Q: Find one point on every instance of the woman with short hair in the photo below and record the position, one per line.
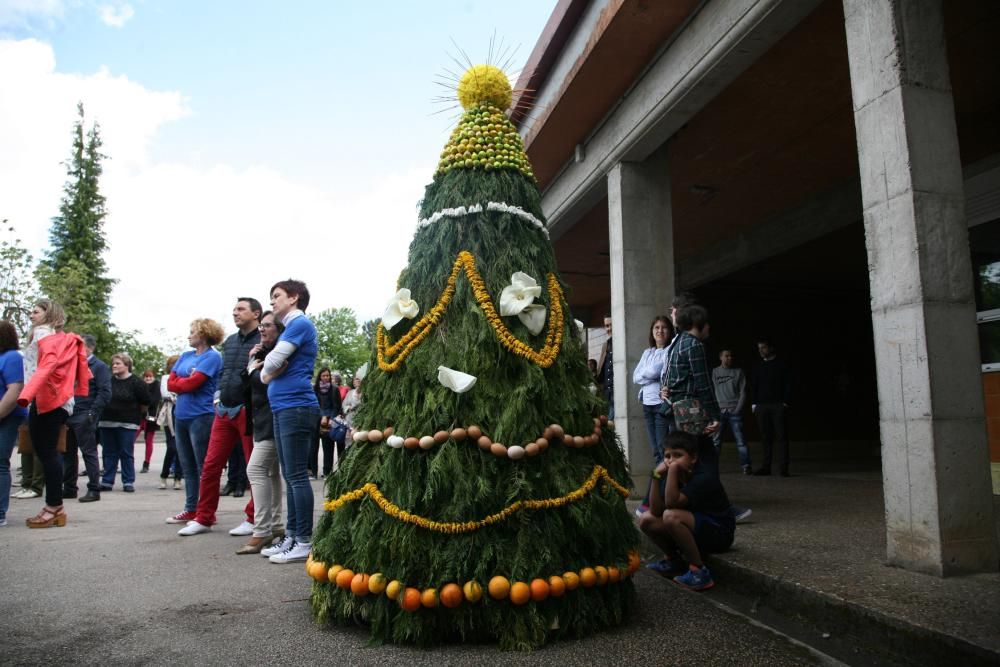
(288, 373)
(120, 422)
(194, 379)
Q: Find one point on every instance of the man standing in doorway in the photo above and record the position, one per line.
(229, 425)
(606, 371)
(81, 433)
(772, 389)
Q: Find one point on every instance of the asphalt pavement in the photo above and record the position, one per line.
(118, 586)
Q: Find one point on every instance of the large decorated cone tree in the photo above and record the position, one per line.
(483, 498)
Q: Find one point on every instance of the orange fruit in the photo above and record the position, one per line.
(332, 574)
(359, 585)
(572, 580)
(473, 591)
(520, 592)
(588, 577)
(451, 595)
(410, 600)
(602, 575)
(634, 561)
(317, 570)
(429, 598)
(557, 586)
(344, 578)
(539, 589)
(499, 587)
(614, 574)
(377, 583)
(393, 590)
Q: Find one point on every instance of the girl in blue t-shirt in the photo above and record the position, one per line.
(287, 373)
(193, 379)
(11, 414)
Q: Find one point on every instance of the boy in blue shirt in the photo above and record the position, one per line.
(689, 512)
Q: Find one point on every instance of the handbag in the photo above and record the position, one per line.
(690, 416)
(24, 445)
(338, 429)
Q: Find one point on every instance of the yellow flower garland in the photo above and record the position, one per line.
(544, 357)
(453, 528)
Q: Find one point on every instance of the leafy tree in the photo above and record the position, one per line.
(74, 271)
(144, 355)
(369, 329)
(17, 285)
(342, 346)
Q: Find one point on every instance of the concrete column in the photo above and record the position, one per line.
(935, 462)
(641, 240)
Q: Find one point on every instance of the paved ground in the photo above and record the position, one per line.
(118, 586)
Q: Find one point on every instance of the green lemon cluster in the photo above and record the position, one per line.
(485, 139)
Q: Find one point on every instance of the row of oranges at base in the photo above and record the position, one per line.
(452, 595)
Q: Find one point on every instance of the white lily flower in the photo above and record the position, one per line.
(457, 381)
(517, 296)
(400, 306)
(533, 317)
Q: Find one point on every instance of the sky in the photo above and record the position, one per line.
(248, 141)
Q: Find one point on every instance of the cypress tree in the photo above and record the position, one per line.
(74, 271)
(496, 513)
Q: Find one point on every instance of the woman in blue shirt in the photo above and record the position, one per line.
(287, 373)
(193, 379)
(11, 415)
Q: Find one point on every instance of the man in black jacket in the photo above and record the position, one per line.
(772, 394)
(82, 429)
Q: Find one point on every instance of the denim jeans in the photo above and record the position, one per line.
(657, 427)
(8, 441)
(118, 444)
(294, 432)
(735, 423)
(192, 445)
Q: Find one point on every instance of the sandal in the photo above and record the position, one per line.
(47, 518)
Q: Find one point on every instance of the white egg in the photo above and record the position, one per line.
(515, 452)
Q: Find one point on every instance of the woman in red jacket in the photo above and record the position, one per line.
(55, 368)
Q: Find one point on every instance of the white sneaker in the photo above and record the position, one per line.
(242, 530)
(25, 494)
(3, 522)
(284, 543)
(299, 551)
(194, 528)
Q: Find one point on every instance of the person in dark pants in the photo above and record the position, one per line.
(606, 370)
(328, 396)
(82, 432)
(772, 389)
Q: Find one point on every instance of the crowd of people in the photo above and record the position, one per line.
(687, 406)
(257, 397)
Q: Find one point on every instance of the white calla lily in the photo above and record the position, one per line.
(533, 317)
(399, 306)
(457, 381)
(517, 296)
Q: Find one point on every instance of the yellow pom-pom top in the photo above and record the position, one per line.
(484, 83)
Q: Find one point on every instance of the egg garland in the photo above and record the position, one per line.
(452, 594)
(552, 433)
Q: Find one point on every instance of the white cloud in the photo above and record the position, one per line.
(116, 17)
(22, 13)
(187, 238)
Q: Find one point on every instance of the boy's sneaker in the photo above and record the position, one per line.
(183, 517)
(740, 514)
(284, 543)
(299, 551)
(696, 580)
(3, 522)
(667, 567)
(747, 470)
(641, 509)
(194, 528)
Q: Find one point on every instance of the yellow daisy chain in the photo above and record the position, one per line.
(544, 357)
(371, 490)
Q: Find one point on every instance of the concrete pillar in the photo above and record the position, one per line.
(935, 462)
(641, 240)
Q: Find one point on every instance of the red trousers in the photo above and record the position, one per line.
(226, 432)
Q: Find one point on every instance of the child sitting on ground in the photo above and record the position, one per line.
(689, 514)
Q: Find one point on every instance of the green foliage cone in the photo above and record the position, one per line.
(513, 401)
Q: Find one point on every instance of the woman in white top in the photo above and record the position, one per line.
(647, 376)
